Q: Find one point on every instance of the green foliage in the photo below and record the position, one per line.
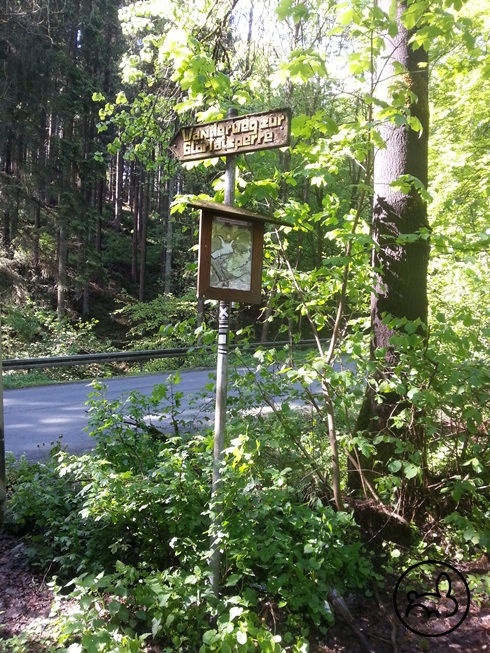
(44, 506)
(442, 388)
(31, 331)
(168, 322)
(132, 522)
(293, 551)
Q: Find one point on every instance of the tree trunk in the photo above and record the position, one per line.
(168, 240)
(100, 214)
(249, 55)
(6, 196)
(134, 192)
(399, 263)
(36, 238)
(144, 217)
(118, 190)
(62, 273)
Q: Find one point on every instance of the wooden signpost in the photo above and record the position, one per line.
(230, 251)
(235, 135)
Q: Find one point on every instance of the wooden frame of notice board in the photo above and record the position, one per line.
(231, 242)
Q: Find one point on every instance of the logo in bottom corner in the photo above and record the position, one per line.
(431, 598)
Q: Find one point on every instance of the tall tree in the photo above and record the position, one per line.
(399, 229)
(53, 55)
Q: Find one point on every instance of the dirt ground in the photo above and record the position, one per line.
(25, 604)
(383, 632)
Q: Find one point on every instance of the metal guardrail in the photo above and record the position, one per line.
(90, 359)
(128, 356)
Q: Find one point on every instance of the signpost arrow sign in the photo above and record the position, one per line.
(255, 131)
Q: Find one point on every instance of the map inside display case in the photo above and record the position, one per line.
(231, 254)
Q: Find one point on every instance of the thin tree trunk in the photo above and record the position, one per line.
(167, 279)
(143, 212)
(62, 276)
(135, 209)
(100, 211)
(36, 238)
(8, 170)
(248, 56)
(173, 187)
(118, 190)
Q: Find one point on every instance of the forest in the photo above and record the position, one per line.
(378, 459)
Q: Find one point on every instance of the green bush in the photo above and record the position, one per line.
(132, 523)
(166, 321)
(291, 552)
(31, 331)
(43, 505)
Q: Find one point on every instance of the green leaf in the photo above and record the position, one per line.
(291, 8)
(121, 98)
(386, 386)
(210, 637)
(394, 466)
(236, 611)
(410, 470)
(347, 16)
(241, 637)
(413, 14)
(233, 579)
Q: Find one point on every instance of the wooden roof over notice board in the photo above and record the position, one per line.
(236, 212)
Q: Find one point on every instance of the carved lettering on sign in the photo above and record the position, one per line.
(233, 136)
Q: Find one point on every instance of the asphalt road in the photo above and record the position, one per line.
(36, 417)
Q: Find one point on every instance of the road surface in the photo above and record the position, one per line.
(36, 417)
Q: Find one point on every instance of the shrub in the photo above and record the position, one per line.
(132, 522)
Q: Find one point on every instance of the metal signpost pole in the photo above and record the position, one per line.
(221, 389)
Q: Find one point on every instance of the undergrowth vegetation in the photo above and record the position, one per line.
(126, 531)
(34, 331)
